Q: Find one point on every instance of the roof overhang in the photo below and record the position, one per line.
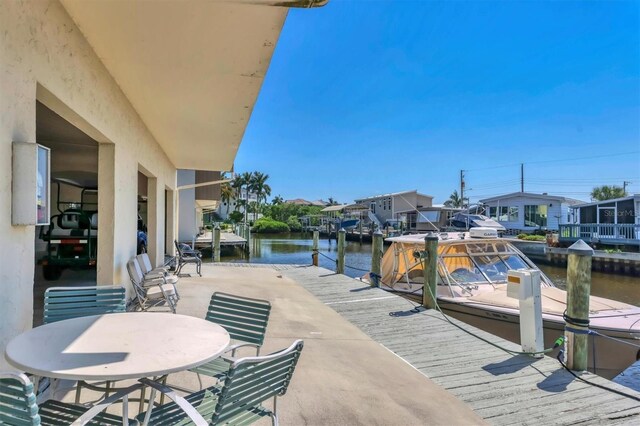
(191, 69)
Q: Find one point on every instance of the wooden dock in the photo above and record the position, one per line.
(502, 388)
(227, 239)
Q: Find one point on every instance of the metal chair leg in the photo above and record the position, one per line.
(78, 391)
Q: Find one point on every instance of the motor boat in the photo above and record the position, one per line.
(472, 287)
(466, 221)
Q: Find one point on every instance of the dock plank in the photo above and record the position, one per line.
(504, 389)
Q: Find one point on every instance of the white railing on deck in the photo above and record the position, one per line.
(601, 232)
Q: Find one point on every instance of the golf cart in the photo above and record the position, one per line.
(72, 234)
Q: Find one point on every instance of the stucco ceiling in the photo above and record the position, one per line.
(192, 69)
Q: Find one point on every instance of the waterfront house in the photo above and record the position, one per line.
(609, 222)
(434, 218)
(385, 207)
(527, 212)
(117, 89)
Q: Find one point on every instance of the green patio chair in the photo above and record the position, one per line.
(245, 320)
(249, 383)
(18, 406)
(61, 303)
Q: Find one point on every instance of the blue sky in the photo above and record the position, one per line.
(368, 97)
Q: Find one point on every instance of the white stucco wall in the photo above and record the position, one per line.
(43, 55)
(187, 227)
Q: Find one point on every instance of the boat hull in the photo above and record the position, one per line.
(607, 357)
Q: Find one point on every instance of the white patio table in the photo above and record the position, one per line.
(120, 346)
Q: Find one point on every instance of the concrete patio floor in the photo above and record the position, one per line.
(343, 376)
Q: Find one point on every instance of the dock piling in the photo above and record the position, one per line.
(577, 316)
(216, 243)
(429, 265)
(376, 259)
(341, 245)
(247, 231)
(314, 256)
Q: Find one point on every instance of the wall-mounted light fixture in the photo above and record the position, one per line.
(31, 168)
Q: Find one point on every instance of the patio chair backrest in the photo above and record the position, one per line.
(251, 381)
(178, 248)
(244, 319)
(135, 274)
(144, 262)
(61, 303)
(17, 400)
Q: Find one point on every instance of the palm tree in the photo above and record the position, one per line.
(247, 182)
(277, 200)
(607, 192)
(455, 200)
(260, 187)
(332, 202)
(236, 184)
(226, 194)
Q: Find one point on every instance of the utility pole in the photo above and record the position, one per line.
(624, 187)
(521, 177)
(462, 188)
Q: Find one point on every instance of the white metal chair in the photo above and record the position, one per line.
(153, 292)
(150, 273)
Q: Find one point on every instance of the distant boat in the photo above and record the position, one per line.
(466, 221)
(348, 223)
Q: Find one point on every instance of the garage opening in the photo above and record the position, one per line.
(143, 214)
(66, 249)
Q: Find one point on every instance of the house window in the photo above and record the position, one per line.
(504, 213)
(411, 220)
(535, 215)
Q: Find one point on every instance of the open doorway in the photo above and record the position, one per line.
(66, 249)
(142, 243)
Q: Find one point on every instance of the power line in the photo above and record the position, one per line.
(556, 160)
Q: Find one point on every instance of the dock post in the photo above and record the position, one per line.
(430, 266)
(360, 229)
(247, 230)
(376, 259)
(341, 243)
(314, 256)
(577, 316)
(216, 243)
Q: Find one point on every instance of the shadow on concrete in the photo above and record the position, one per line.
(407, 313)
(509, 365)
(557, 381)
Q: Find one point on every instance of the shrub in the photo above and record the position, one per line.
(236, 216)
(266, 225)
(294, 224)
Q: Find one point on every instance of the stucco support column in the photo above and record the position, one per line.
(106, 214)
(155, 230)
(170, 227)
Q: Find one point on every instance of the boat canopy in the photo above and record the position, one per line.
(461, 261)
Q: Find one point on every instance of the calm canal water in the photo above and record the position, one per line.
(296, 249)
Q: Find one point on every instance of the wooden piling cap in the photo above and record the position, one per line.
(378, 232)
(580, 248)
(431, 237)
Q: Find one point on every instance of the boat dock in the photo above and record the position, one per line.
(227, 239)
(501, 388)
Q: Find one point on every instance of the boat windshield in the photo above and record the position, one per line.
(480, 263)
